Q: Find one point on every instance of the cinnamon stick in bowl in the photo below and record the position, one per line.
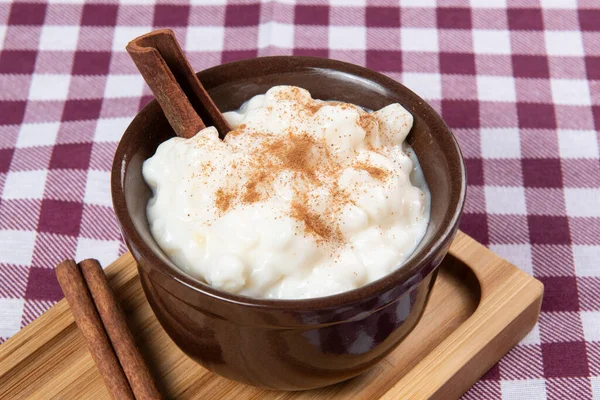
(182, 97)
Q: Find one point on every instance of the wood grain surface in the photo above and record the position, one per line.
(480, 307)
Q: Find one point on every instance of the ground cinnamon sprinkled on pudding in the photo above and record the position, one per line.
(294, 94)
(238, 130)
(252, 195)
(314, 108)
(223, 200)
(205, 168)
(365, 120)
(295, 152)
(313, 223)
(309, 158)
(375, 172)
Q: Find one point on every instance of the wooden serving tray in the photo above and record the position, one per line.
(480, 307)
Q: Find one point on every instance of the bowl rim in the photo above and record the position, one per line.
(412, 266)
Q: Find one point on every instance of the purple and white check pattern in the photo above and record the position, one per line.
(517, 80)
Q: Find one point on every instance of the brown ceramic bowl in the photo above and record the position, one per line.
(292, 344)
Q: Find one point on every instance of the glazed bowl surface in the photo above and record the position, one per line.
(291, 344)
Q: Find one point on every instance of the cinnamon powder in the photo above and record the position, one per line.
(310, 160)
(294, 152)
(223, 200)
(252, 195)
(314, 108)
(313, 223)
(375, 172)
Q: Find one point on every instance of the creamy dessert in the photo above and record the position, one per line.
(303, 198)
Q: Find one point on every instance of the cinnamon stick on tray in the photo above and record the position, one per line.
(89, 323)
(104, 327)
(183, 99)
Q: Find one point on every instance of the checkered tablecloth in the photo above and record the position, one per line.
(518, 81)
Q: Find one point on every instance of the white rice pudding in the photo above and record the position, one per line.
(303, 198)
